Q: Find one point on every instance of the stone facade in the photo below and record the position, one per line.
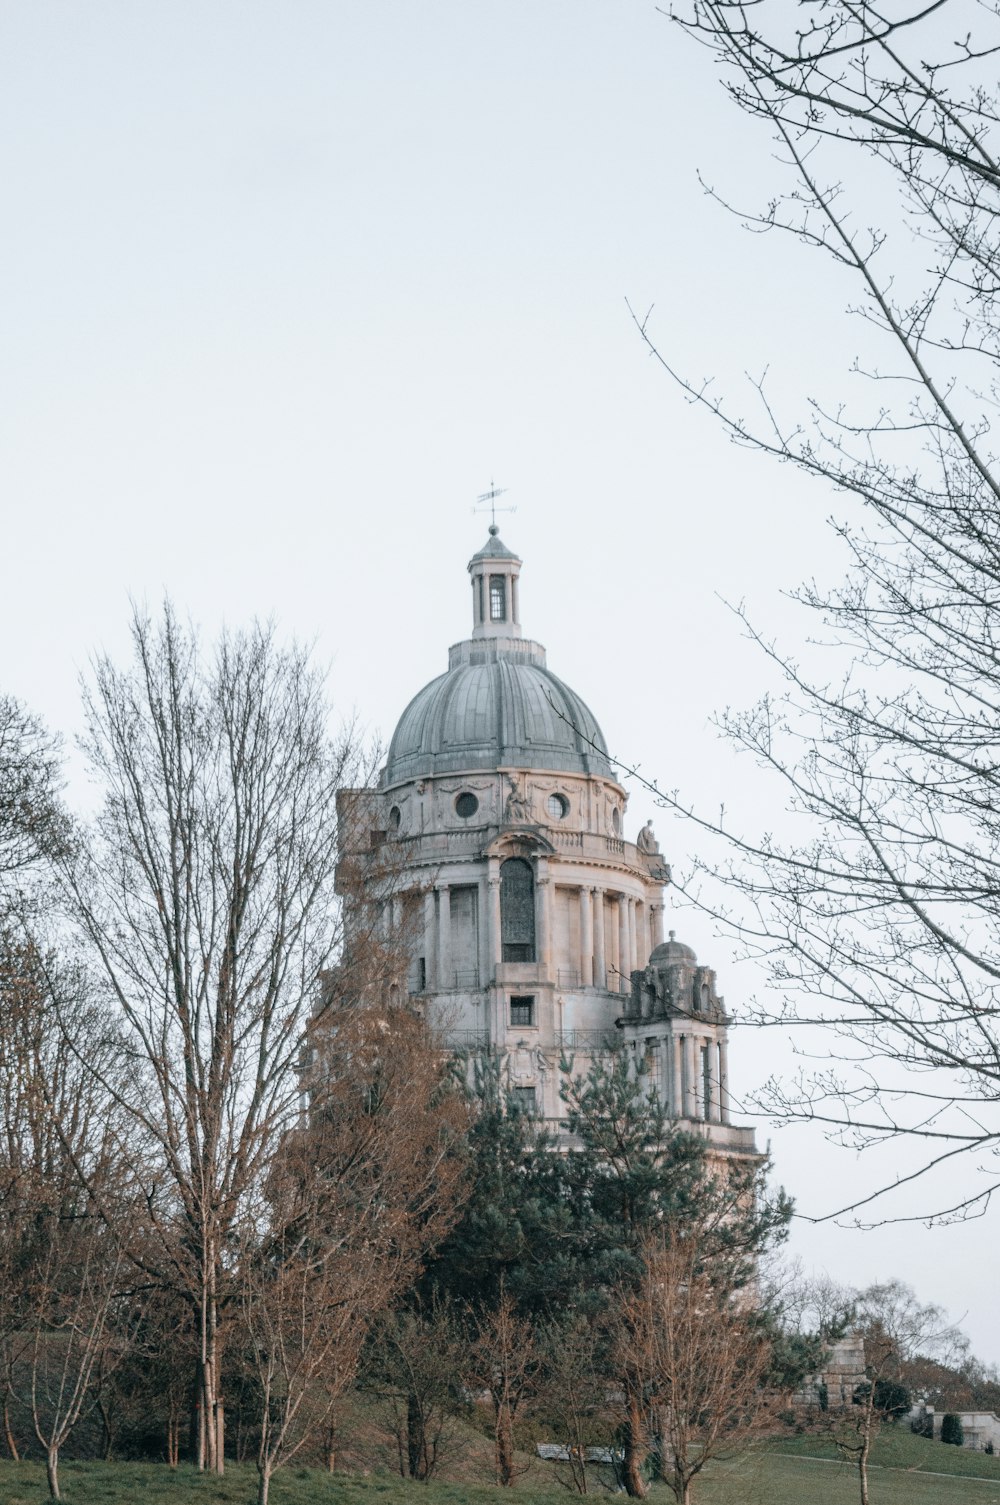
(533, 924)
(833, 1388)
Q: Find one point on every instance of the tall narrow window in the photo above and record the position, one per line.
(498, 598)
(517, 910)
(482, 613)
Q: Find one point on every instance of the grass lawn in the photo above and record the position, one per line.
(906, 1470)
(780, 1478)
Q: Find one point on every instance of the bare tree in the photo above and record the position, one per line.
(699, 1356)
(505, 1365)
(57, 1125)
(896, 1329)
(575, 1389)
(358, 1196)
(206, 902)
(70, 1298)
(416, 1366)
(883, 923)
(68, 1203)
(30, 824)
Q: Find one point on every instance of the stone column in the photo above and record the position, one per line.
(600, 962)
(624, 980)
(714, 1095)
(677, 1098)
(543, 917)
(483, 932)
(493, 918)
(641, 933)
(586, 938)
(633, 949)
(724, 1080)
(430, 969)
(614, 952)
(691, 1076)
(656, 925)
(446, 967)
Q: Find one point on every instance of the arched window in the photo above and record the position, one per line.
(517, 910)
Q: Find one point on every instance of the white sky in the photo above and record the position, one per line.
(288, 283)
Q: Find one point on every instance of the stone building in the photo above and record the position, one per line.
(533, 924)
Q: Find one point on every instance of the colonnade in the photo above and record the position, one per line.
(608, 953)
(691, 1075)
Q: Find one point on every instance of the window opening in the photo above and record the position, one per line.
(557, 806)
(522, 1009)
(525, 1101)
(517, 910)
(706, 1083)
(482, 610)
(498, 599)
(466, 805)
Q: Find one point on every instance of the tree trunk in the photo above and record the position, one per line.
(102, 1412)
(416, 1440)
(635, 1443)
(8, 1435)
(505, 1444)
(52, 1472)
(211, 1431)
(173, 1440)
(263, 1484)
(331, 1450)
(866, 1444)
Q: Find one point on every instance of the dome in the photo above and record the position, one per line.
(505, 711)
(672, 950)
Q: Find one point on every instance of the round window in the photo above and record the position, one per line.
(558, 806)
(466, 805)
(394, 818)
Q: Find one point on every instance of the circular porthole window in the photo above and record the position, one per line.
(466, 805)
(394, 818)
(558, 806)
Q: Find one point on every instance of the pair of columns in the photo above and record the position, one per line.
(491, 934)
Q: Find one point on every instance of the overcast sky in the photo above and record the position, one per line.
(287, 284)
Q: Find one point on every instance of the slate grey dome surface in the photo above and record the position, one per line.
(672, 950)
(504, 712)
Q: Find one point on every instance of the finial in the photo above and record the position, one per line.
(672, 934)
(488, 503)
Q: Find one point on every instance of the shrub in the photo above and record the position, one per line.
(951, 1429)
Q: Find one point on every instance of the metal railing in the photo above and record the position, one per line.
(466, 978)
(465, 1039)
(587, 1039)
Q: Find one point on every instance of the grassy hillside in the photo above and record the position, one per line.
(899, 1448)
(909, 1471)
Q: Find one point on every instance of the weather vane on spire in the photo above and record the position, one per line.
(487, 501)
